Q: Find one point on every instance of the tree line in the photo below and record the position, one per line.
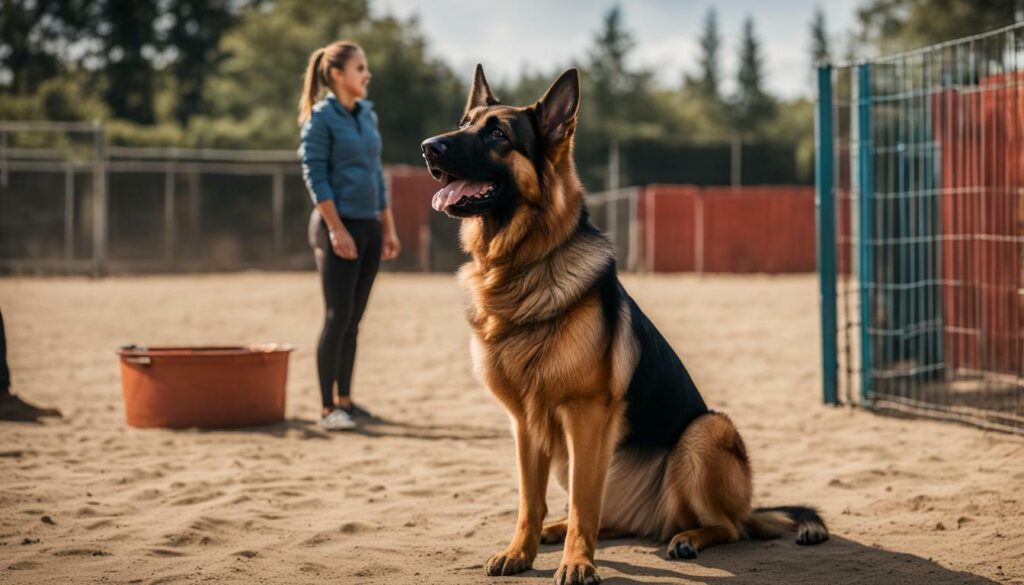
(226, 73)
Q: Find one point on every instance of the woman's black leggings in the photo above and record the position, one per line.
(346, 285)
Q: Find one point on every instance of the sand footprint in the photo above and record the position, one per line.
(81, 552)
(165, 552)
(348, 528)
(312, 568)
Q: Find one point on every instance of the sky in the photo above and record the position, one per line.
(542, 34)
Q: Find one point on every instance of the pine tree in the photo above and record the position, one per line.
(752, 107)
(195, 34)
(820, 52)
(608, 71)
(710, 42)
(896, 25)
(619, 99)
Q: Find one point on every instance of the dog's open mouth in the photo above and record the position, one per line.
(461, 193)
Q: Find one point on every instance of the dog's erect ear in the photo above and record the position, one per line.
(480, 94)
(558, 108)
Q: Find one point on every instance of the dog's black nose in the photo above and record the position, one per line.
(433, 147)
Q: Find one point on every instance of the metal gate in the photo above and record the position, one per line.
(920, 193)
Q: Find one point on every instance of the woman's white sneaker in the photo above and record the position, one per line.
(337, 420)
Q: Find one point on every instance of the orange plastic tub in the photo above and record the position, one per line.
(210, 387)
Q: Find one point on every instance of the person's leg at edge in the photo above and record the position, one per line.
(12, 407)
(5, 373)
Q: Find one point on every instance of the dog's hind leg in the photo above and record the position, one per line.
(534, 464)
(686, 544)
(554, 532)
(710, 486)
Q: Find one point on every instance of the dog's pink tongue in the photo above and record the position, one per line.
(451, 193)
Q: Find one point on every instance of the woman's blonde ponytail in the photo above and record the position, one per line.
(312, 85)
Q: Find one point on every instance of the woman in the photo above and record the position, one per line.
(351, 228)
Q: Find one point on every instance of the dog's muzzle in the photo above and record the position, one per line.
(433, 148)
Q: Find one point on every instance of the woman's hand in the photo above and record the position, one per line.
(391, 245)
(343, 245)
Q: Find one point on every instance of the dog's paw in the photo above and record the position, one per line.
(681, 548)
(509, 562)
(553, 533)
(576, 573)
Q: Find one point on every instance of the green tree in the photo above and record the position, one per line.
(252, 100)
(820, 51)
(702, 102)
(128, 39)
(415, 96)
(898, 25)
(708, 83)
(609, 80)
(193, 38)
(620, 100)
(752, 107)
(30, 34)
(131, 49)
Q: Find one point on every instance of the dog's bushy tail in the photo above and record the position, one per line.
(768, 523)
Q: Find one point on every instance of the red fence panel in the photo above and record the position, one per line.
(981, 133)
(682, 228)
(764, 231)
(668, 227)
(410, 189)
(724, 229)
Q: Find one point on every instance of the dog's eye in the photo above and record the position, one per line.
(497, 133)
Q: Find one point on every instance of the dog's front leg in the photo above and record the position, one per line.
(534, 463)
(590, 440)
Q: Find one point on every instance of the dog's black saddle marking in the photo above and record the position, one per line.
(662, 399)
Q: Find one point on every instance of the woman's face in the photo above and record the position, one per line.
(354, 78)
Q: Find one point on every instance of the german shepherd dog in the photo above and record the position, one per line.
(595, 393)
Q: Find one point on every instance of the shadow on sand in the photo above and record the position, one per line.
(381, 427)
(376, 427)
(837, 562)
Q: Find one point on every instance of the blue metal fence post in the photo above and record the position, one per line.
(825, 203)
(866, 181)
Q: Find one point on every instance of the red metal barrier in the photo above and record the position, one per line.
(410, 189)
(682, 228)
(981, 133)
(722, 229)
(668, 227)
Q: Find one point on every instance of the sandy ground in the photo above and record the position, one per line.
(428, 498)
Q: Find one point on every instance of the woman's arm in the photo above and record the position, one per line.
(341, 241)
(391, 246)
(315, 152)
(315, 149)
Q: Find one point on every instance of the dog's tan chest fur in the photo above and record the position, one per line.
(539, 333)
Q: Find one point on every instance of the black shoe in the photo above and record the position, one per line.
(13, 408)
